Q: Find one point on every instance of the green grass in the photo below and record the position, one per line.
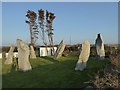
(49, 73)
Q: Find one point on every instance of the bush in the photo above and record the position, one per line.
(111, 76)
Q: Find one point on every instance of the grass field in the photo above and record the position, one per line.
(48, 73)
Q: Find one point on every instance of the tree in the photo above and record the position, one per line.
(49, 20)
(41, 22)
(32, 16)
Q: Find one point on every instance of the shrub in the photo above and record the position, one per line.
(111, 76)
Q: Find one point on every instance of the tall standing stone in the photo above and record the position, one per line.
(9, 59)
(100, 47)
(23, 56)
(83, 57)
(32, 52)
(3, 56)
(59, 50)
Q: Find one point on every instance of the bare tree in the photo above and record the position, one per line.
(41, 22)
(49, 20)
(49, 29)
(32, 16)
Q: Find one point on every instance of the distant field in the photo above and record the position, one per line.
(48, 73)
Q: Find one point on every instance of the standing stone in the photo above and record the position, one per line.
(59, 50)
(83, 57)
(9, 59)
(3, 56)
(32, 52)
(100, 47)
(23, 56)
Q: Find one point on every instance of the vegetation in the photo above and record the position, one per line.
(49, 73)
(32, 16)
(111, 75)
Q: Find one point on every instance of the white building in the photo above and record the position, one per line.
(15, 54)
(43, 51)
(0, 55)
